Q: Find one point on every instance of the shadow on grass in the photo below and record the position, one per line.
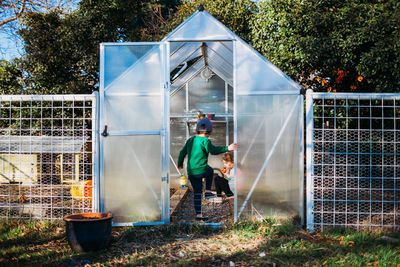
(32, 246)
(35, 238)
(286, 245)
(281, 244)
(293, 251)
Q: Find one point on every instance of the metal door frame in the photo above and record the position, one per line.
(164, 131)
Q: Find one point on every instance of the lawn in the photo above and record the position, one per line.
(246, 243)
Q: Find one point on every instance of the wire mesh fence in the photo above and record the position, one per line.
(46, 155)
(353, 156)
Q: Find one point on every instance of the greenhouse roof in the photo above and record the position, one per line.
(200, 42)
(202, 29)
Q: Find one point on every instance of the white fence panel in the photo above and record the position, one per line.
(353, 161)
(47, 145)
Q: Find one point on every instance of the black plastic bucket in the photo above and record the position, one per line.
(88, 231)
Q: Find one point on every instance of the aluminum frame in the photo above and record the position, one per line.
(164, 134)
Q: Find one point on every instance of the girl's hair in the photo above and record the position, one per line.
(228, 156)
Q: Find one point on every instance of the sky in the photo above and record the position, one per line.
(9, 48)
(12, 47)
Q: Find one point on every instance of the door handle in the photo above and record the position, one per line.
(104, 133)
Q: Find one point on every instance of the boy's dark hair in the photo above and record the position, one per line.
(202, 128)
(228, 156)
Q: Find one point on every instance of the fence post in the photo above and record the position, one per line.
(95, 152)
(301, 159)
(309, 159)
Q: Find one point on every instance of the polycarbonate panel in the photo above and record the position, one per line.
(200, 26)
(178, 128)
(139, 72)
(186, 75)
(207, 96)
(118, 59)
(221, 58)
(133, 113)
(183, 52)
(230, 99)
(215, 66)
(219, 137)
(224, 50)
(260, 120)
(178, 101)
(255, 73)
(133, 178)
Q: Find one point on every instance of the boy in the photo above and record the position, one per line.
(197, 148)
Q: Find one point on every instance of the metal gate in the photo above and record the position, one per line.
(353, 161)
(47, 155)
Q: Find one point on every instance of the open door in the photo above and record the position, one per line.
(268, 128)
(134, 172)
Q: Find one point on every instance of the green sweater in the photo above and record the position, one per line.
(197, 148)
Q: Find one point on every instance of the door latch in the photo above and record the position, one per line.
(104, 133)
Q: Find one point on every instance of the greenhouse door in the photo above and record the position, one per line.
(269, 130)
(133, 91)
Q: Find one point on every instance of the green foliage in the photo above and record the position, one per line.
(48, 59)
(25, 232)
(10, 78)
(286, 228)
(62, 51)
(236, 15)
(332, 46)
(322, 44)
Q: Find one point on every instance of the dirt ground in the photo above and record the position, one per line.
(215, 212)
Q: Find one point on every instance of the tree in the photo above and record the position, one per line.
(49, 59)
(236, 15)
(62, 51)
(13, 11)
(332, 45)
(10, 78)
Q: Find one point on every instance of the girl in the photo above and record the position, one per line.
(225, 184)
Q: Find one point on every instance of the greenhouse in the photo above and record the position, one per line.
(150, 96)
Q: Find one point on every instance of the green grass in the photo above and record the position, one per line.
(247, 243)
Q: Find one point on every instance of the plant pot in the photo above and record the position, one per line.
(211, 116)
(88, 231)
